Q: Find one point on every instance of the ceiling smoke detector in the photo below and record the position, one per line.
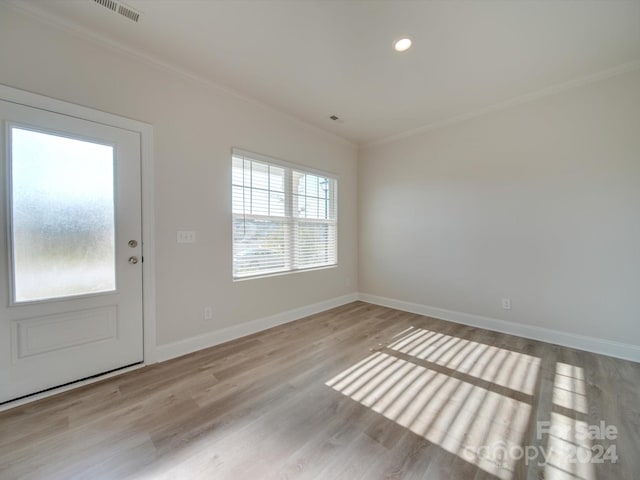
(120, 9)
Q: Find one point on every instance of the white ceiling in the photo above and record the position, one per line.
(315, 58)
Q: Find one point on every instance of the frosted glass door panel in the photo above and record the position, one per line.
(63, 217)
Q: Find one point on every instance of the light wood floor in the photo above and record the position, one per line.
(358, 392)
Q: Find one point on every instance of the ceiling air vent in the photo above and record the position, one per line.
(128, 12)
(120, 9)
(110, 4)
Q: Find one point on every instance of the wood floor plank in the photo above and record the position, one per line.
(357, 392)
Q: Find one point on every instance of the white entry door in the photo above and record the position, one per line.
(70, 250)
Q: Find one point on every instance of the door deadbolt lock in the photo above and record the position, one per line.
(133, 243)
(133, 260)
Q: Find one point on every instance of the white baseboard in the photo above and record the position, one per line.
(193, 344)
(573, 340)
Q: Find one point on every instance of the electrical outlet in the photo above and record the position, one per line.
(208, 313)
(186, 236)
(506, 303)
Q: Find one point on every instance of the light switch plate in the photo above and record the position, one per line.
(186, 236)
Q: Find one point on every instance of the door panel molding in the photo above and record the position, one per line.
(34, 336)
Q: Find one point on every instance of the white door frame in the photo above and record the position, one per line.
(145, 130)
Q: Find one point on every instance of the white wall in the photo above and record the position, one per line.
(539, 203)
(195, 126)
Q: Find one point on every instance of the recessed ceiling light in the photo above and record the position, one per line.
(402, 45)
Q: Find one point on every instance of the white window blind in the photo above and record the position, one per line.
(284, 216)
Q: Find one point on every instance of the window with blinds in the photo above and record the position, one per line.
(284, 217)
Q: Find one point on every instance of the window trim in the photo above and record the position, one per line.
(289, 217)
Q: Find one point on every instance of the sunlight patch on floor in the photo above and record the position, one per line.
(570, 450)
(503, 367)
(569, 389)
(465, 419)
(567, 447)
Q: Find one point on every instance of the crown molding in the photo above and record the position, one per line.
(522, 99)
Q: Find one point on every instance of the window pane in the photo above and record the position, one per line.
(247, 172)
(298, 183)
(332, 206)
(237, 171)
(259, 246)
(312, 185)
(314, 244)
(322, 209)
(259, 176)
(260, 202)
(237, 200)
(312, 207)
(299, 206)
(62, 210)
(277, 204)
(323, 188)
(277, 179)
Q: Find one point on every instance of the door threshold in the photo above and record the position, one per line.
(50, 392)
